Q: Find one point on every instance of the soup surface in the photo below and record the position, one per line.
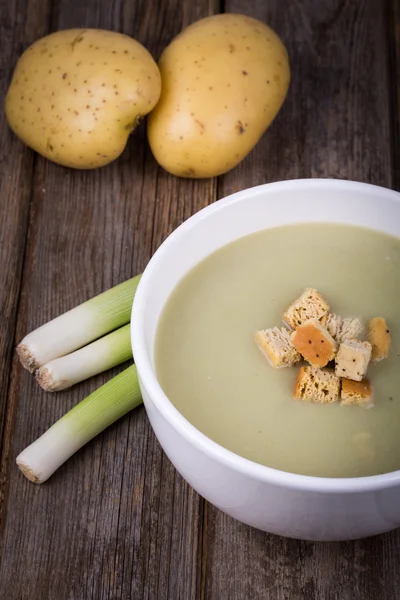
(210, 368)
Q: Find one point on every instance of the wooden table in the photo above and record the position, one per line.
(117, 521)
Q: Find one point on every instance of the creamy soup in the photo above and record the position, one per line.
(210, 368)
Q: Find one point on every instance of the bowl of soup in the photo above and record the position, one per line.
(224, 417)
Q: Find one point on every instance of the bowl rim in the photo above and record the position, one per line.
(188, 431)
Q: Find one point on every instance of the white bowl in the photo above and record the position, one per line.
(296, 506)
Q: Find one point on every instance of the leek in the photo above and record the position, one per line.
(105, 353)
(81, 424)
(79, 326)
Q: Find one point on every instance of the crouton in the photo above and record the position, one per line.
(317, 385)
(314, 343)
(351, 361)
(341, 329)
(310, 305)
(277, 347)
(356, 392)
(379, 338)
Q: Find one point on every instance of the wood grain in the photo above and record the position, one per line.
(336, 122)
(20, 24)
(116, 521)
(393, 36)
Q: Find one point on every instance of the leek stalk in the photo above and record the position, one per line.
(79, 326)
(105, 353)
(81, 424)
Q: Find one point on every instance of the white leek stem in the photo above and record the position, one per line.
(79, 326)
(81, 424)
(105, 353)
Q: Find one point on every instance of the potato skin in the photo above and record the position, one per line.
(224, 80)
(76, 95)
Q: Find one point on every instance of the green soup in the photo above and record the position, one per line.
(210, 368)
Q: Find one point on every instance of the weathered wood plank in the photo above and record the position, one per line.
(336, 122)
(393, 33)
(245, 563)
(20, 24)
(116, 521)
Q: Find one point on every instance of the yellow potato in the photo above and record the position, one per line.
(76, 95)
(224, 80)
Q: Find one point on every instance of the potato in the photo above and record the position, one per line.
(224, 80)
(76, 95)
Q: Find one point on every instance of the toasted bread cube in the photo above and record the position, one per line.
(317, 385)
(310, 305)
(341, 329)
(356, 392)
(352, 359)
(314, 343)
(277, 347)
(379, 338)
